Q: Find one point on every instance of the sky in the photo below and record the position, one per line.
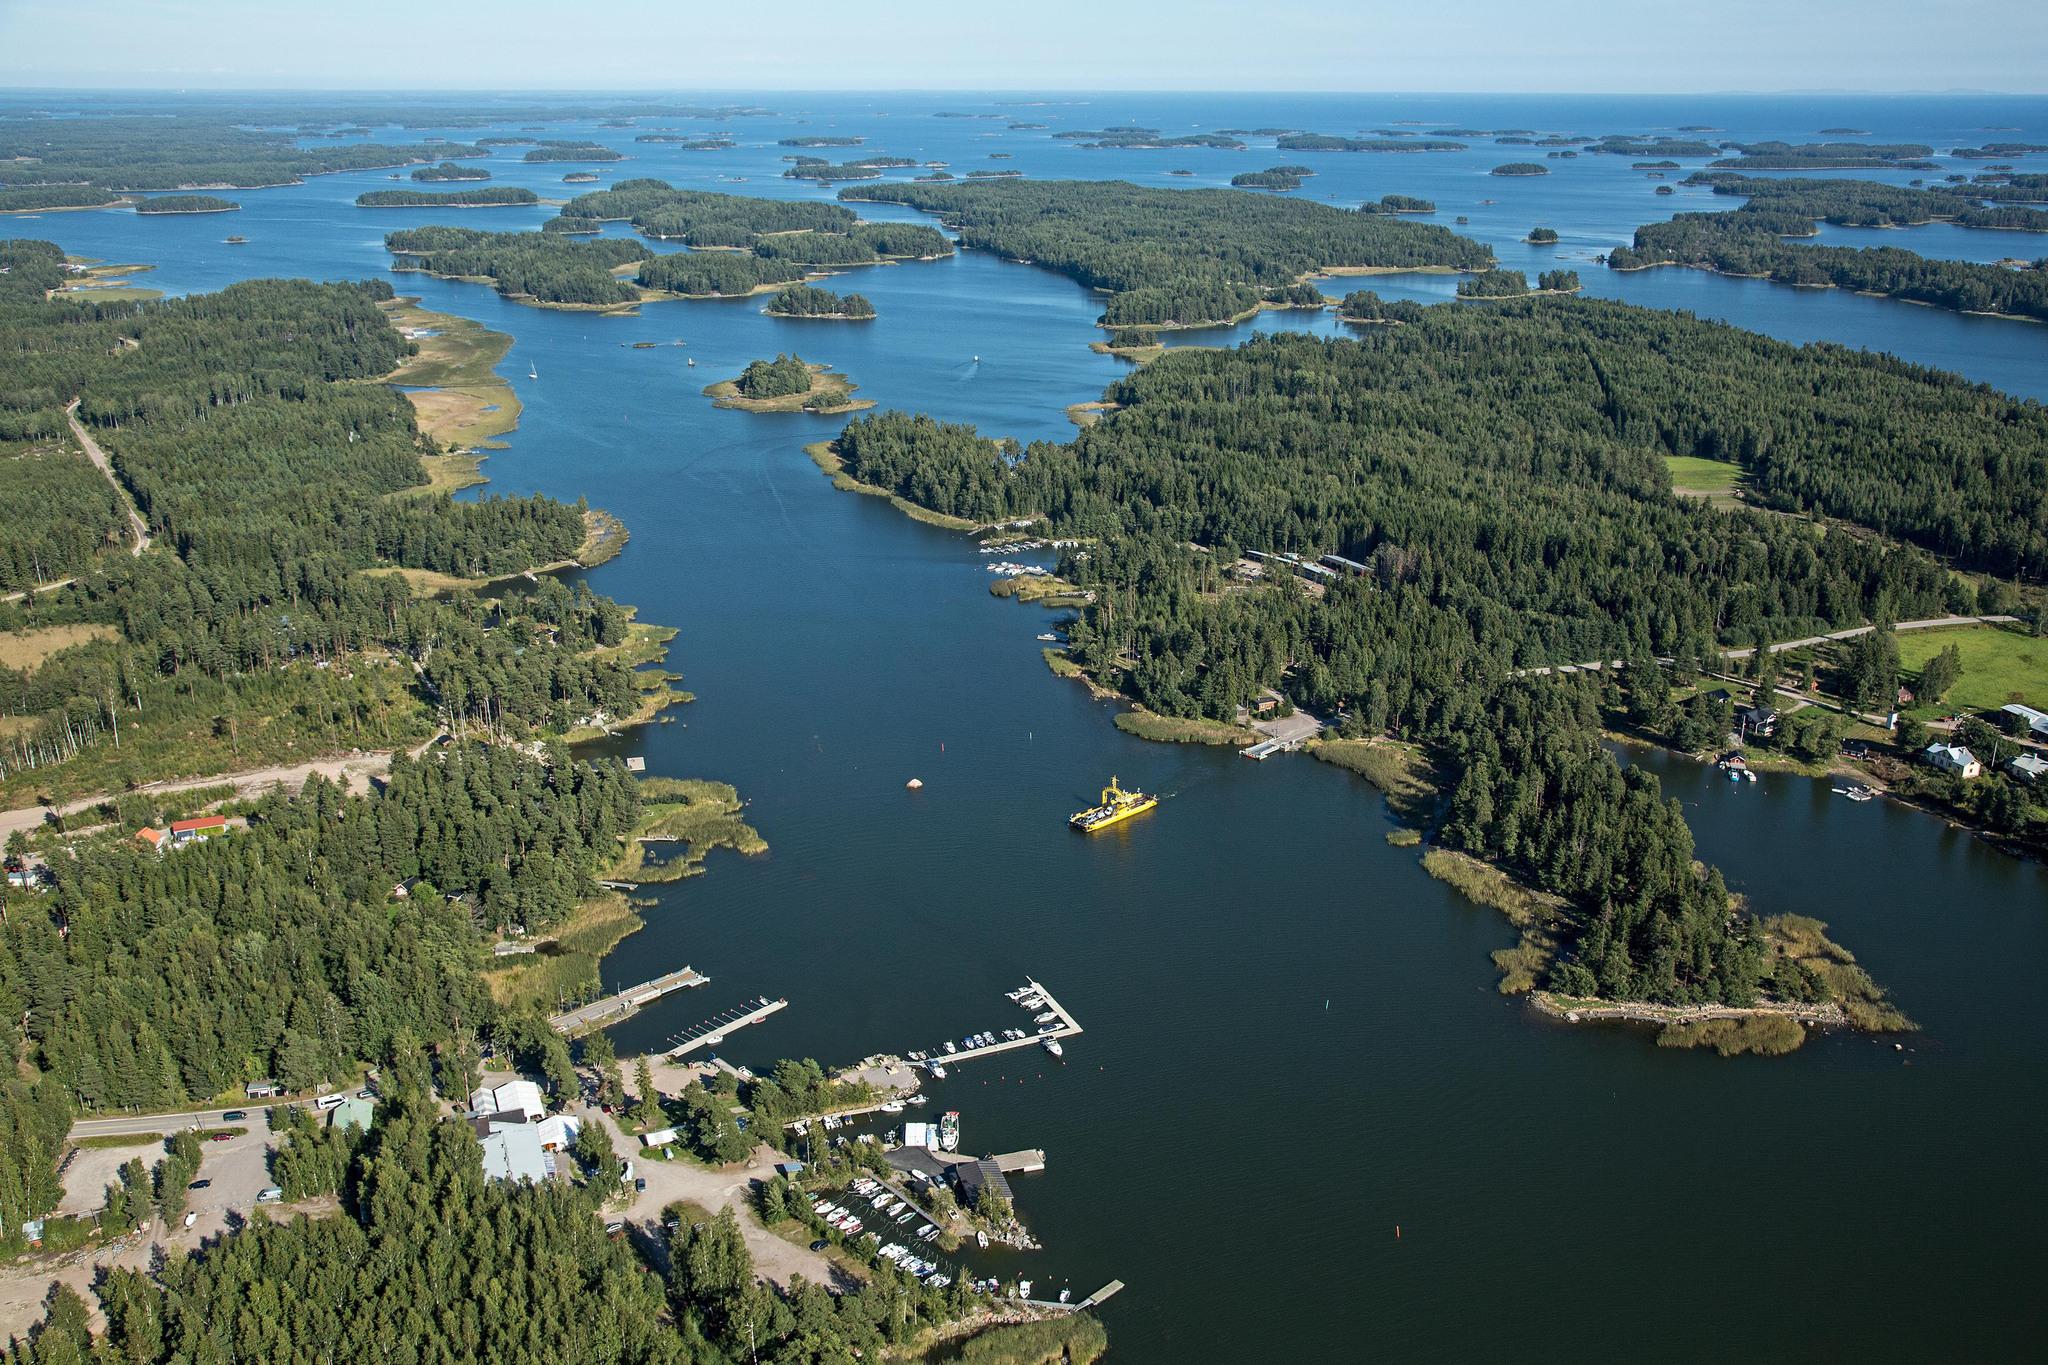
(1551, 46)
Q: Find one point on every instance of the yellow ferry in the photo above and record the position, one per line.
(1117, 805)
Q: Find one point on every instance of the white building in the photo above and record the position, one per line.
(925, 1135)
(512, 1097)
(558, 1131)
(1954, 758)
(2028, 767)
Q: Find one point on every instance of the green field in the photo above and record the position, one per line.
(1999, 665)
(1714, 480)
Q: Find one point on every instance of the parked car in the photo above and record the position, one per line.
(220, 1137)
(640, 1186)
(820, 1244)
(200, 1185)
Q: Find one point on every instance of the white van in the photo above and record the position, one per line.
(327, 1102)
(273, 1195)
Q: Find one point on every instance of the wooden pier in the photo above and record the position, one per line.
(1020, 1163)
(1068, 1028)
(624, 1004)
(713, 1031)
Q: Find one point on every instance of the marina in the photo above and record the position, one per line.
(1031, 996)
(713, 1031)
(624, 1004)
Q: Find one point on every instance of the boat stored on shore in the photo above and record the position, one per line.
(1117, 806)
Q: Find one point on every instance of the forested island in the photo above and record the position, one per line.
(688, 144)
(1996, 151)
(788, 384)
(1177, 257)
(1521, 168)
(1792, 206)
(1541, 236)
(1831, 156)
(1750, 243)
(1398, 203)
(451, 170)
(180, 151)
(808, 301)
(1150, 139)
(1619, 145)
(1319, 142)
(543, 267)
(494, 196)
(186, 203)
(1512, 456)
(761, 244)
(1273, 178)
(818, 141)
(1363, 305)
(811, 168)
(574, 151)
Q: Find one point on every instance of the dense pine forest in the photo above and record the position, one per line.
(1781, 203)
(1499, 475)
(271, 477)
(547, 267)
(186, 203)
(767, 241)
(483, 197)
(1174, 256)
(1751, 242)
(451, 170)
(189, 151)
(808, 301)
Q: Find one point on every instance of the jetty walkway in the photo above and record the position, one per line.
(713, 1031)
(624, 1004)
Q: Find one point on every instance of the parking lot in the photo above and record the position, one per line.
(235, 1171)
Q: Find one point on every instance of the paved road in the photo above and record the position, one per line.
(1931, 623)
(125, 1124)
(136, 525)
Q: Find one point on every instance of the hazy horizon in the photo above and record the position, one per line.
(1593, 47)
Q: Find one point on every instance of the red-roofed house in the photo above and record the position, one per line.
(198, 829)
(154, 838)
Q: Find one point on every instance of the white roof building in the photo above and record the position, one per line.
(925, 1135)
(558, 1131)
(521, 1095)
(2037, 721)
(512, 1151)
(660, 1137)
(1954, 758)
(2028, 767)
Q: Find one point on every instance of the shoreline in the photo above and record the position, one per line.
(1859, 293)
(1536, 914)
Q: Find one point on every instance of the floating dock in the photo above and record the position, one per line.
(1020, 1163)
(713, 1031)
(624, 1004)
(1068, 1027)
